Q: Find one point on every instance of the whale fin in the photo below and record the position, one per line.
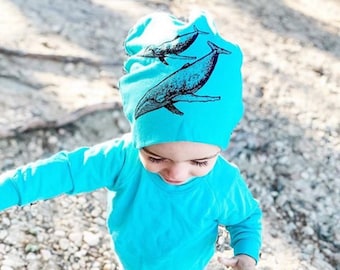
(181, 57)
(173, 109)
(195, 98)
(162, 59)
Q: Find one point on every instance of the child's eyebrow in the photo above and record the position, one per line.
(197, 159)
(149, 152)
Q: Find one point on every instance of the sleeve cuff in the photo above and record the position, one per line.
(9, 194)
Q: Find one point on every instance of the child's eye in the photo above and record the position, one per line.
(155, 160)
(200, 163)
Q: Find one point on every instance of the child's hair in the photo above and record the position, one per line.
(183, 81)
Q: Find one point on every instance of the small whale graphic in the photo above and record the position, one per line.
(173, 47)
(181, 85)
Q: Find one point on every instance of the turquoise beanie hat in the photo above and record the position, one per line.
(182, 81)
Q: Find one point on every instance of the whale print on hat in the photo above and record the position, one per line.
(183, 81)
(174, 47)
(181, 85)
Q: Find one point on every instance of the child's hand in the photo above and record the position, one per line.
(239, 262)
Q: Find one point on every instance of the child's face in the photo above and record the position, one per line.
(179, 162)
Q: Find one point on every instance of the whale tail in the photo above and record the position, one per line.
(218, 49)
(197, 31)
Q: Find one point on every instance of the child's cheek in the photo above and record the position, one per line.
(149, 166)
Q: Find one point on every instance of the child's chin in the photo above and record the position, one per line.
(176, 183)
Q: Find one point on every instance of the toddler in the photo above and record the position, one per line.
(169, 189)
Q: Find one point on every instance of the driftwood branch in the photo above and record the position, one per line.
(41, 124)
(56, 57)
(24, 81)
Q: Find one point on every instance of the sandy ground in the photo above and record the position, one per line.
(57, 57)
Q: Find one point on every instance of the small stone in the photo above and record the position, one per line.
(64, 244)
(96, 212)
(31, 248)
(107, 266)
(76, 238)
(59, 233)
(6, 267)
(53, 140)
(91, 239)
(13, 260)
(45, 254)
(308, 230)
(3, 234)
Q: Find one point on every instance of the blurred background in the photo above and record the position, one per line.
(59, 66)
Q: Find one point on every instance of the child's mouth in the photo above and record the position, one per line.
(173, 182)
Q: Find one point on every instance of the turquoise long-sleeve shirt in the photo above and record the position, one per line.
(153, 225)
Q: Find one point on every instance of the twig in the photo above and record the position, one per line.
(41, 124)
(22, 80)
(56, 57)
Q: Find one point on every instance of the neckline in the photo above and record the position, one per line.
(158, 181)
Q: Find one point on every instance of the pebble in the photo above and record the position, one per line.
(308, 230)
(76, 238)
(6, 267)
(13, 260)
(64, 244)
(91, 239)
(46, 254)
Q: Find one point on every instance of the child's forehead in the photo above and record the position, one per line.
(183, 150)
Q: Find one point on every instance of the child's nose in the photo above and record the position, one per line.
(178, 172)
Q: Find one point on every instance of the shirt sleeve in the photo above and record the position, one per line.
(82, 170)
(246, 236)
(243, 218)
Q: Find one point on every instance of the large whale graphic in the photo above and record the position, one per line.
(181, 85)
(172, 47)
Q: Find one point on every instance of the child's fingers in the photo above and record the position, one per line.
(229, 262)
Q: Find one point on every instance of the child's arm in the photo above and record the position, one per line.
(82, 170)
(246, 236)
(242, 217)
(246, 242)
